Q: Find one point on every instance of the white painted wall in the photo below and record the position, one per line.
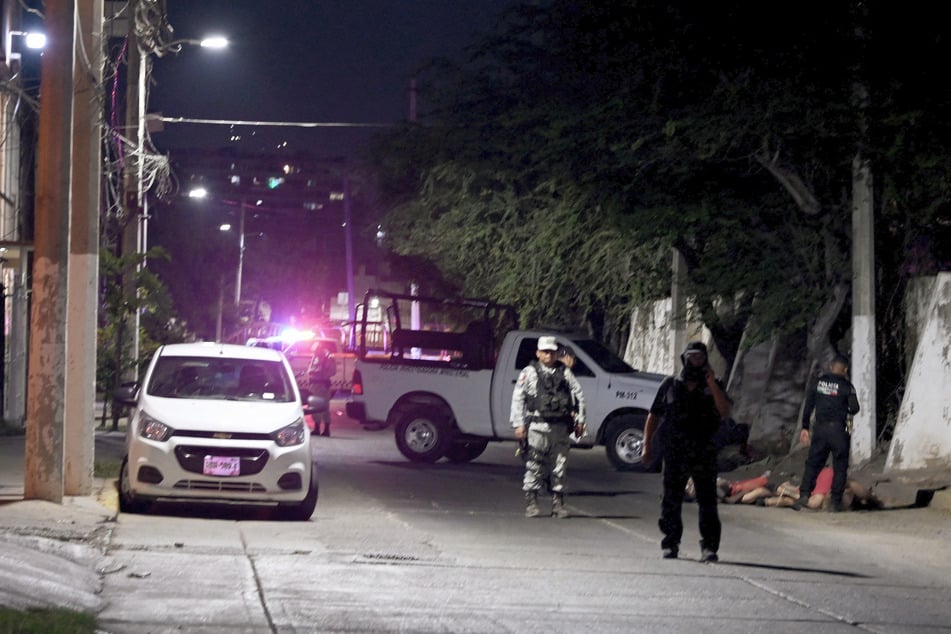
(648, 346)
(922, 438)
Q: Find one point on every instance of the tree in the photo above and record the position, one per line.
(563, 159)
(120, 302)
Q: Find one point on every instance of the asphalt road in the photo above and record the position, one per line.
(401, 547)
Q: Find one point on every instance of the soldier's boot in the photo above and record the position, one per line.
(558, 506)
(531, 504)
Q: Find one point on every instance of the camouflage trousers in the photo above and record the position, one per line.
(547, 462)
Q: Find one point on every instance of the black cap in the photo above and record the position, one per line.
(694, 347)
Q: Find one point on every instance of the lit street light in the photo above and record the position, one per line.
(200, 193)
(214, 41)
(141, 227)
(32, 40)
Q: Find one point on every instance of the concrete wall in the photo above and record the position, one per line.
(916, 303)
(648, 346)
(767, 380)
(922, 438)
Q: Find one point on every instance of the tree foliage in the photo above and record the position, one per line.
(128, 287)
(558, 165)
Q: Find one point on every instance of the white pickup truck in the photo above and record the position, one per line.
(448, 391)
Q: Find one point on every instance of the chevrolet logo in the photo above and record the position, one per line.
(222, 435)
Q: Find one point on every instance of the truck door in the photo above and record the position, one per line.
(516, 352)
(594, 382)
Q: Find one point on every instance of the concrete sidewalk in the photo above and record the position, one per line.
(53, 555)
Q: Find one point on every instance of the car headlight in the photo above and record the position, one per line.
(154, 429)
(291, 435)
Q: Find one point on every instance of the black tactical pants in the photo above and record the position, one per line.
(681, 462)
(827, 438)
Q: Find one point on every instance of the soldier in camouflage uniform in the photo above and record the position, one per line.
(547, 407)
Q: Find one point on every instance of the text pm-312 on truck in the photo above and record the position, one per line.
(442, 373)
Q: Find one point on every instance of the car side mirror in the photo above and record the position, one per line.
(126, 394)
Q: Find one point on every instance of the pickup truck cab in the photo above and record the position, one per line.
(448, 392)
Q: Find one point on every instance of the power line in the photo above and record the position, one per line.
(287, 124)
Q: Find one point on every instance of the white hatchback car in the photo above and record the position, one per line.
(222, 422)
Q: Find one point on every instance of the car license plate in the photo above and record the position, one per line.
(222, 466)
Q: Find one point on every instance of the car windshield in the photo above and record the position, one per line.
(217, 378)
(604, 357)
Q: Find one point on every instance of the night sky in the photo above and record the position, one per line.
(305, 60)
(338, 61)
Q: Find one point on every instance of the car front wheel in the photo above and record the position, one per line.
(301, 511)
(129, 502)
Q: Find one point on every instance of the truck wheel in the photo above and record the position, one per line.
(422, 436)
(624, 443)
(128, 501)
(466, 450)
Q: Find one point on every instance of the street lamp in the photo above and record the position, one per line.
(141, 200)
(227, 227)
(200, 193)
(32, 39)
(215, 42)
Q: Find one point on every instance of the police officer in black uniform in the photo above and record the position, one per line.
(834, 400)
(688, 409)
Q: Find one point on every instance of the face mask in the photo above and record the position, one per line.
(695, 373)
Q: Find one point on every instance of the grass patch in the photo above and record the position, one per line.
(106, 468)
(45, 621)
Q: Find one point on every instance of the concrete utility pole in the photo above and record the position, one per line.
(864, 358)
(348, 237)
(133, 238)
(678, 306)
(44, 460)
(83, 270)
(863, 310)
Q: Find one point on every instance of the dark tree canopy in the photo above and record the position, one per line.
(557, 166)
